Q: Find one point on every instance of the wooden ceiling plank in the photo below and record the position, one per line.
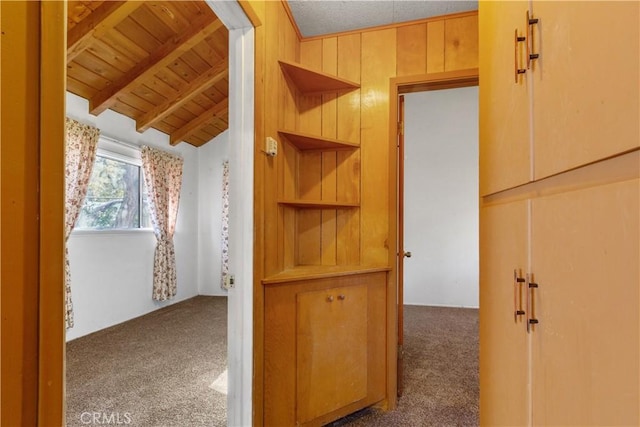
(186, 130)
(185, 95)
(104, 18)
(157, 60)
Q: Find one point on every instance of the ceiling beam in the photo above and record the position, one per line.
(186, 130)
(172, 49)
(186, 94)
(105, 17)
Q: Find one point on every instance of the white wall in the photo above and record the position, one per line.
(210, 159)
(111, 272)
(441, 198)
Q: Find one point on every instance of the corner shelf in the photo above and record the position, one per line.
(305, 141)
(311, 82)
(317, 204)
(315, 272)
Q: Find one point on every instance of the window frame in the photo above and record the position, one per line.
(120, 151)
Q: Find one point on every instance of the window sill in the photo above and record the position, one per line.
(111, 232)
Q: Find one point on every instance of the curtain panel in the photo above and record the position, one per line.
(162, 173)
(81, 143)
(225, 224)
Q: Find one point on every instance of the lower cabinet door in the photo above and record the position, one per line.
(331, 350)
(585, 256)
(504, 395)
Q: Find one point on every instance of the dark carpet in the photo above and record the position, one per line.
(155, 370)
(441, 372)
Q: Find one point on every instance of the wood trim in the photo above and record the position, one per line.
(622, 167)
(388, 26)
(318, 204)
(259, 165)
(160, 58)
(51, 348)
(250, 12)
(287, 9)
(435, 81)
(19, 211)
(104, 18)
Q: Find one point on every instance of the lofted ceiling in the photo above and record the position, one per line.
(162, 63)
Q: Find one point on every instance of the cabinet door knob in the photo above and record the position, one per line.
(341, 297)
(330, 298)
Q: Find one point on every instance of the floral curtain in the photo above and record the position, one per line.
(225, 223)
(80, 153)
(163, 180)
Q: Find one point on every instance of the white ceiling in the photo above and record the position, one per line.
(317, 17)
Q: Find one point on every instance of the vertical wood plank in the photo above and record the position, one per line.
(279, 353)
(309, 175)
(53, 68)
(329, 176)
(310, 107)
(461, 43)
(378, 66)
(259, 211)
(348, 163)
(435, 47)
(289, 50)
(273, 166)
(411, 50)
(19, 168)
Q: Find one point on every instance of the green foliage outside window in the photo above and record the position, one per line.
(113, 198)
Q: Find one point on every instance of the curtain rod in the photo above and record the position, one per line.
(139, 147)
(117, 141)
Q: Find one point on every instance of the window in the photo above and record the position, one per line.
(115, 198)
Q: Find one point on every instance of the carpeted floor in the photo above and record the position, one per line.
(155, 370)
(441, 372)
(163, 369)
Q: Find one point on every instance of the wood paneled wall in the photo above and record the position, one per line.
(372, 58)
(347, 236)
(288, 237)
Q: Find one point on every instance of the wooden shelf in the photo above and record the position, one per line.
(311, 82)
(312, 272)
(317, 204)
(304, 141)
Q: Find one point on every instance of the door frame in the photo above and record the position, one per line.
(239, 18)
(399, 86)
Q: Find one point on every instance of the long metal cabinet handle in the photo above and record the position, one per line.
(531, 21)
(531, 319)
(517, 295)
(518, 70)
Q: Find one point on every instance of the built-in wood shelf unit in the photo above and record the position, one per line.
(305, 141)
(312, 82)
(318, 204)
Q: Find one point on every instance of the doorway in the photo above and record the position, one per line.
(399, 86)
(440, 197)
(239, 319)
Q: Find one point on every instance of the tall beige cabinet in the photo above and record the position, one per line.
(560, 235)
